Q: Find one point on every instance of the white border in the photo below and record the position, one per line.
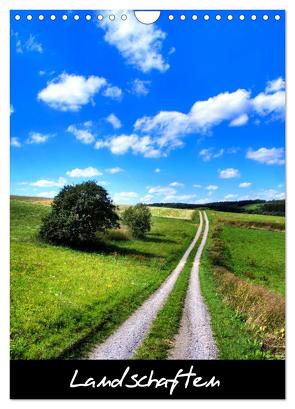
(5, 5)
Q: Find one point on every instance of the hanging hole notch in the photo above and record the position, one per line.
(147, 16)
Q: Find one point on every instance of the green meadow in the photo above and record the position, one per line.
(63, 300)
(256, 255)
(242, 277)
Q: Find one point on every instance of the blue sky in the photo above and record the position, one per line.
(178, 111)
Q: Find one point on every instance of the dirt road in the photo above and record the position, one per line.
(195, 339)
(124, 341)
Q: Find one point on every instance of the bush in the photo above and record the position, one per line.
(138, 220)
(78, 212)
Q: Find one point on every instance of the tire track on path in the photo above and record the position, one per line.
(124, 341)
(195, 338)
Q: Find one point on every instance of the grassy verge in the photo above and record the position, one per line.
(159, 340)
(64, 300)
(247, 320)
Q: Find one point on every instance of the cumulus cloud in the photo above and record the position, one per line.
(140, 87)
(114, 121)
(69, 92)
(176, 184)
(210, 153)
(133, 143)
(38, 138)
(157, 170)
(245, 184)
(168, 128)
(114, 170)
(49, 183)
(49, 194)
(212, 187)
(272, 156)
(275, 85)
(229, 173)
(147, 198)
(139, 44)
(162, 190)
(15, 142)
(83, 173)
(197, 186)
(125, 197)
(272, 100)
(240, 120)
(82, 132)
(113, 92)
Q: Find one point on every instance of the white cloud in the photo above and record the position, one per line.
(202, 201)
(210, 153)
(50, 194)
(124, 197)
(114, 121)
(229, 173)
(212, 187)
(69, 92)
(266, 194)
(230, 196)
(245, 184)
(266, 104)
(129, 143)
(140, 87)
(37, 138)
(275, 85)
(147, 198)
(84, 173)
(197, 186)
(272, 100)
(113, 92)
(179, 198)
(139, 44)
(29, 45)
(176, 184)
(162, 190)
(49, 183)
(33, 45)
(15, 142)
(240, 120)
(273, 156)
(114, 170)
(168, 128)
(157, 170)
(83, 133)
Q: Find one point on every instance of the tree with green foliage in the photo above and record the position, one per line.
(138, 218)
(78, 213)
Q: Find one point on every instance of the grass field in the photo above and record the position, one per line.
(186, 214)
(243, 279)
(256, 255)
(61, 296)
(278, 221)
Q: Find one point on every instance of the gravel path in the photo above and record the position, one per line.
(124, 341)
(195, 339)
